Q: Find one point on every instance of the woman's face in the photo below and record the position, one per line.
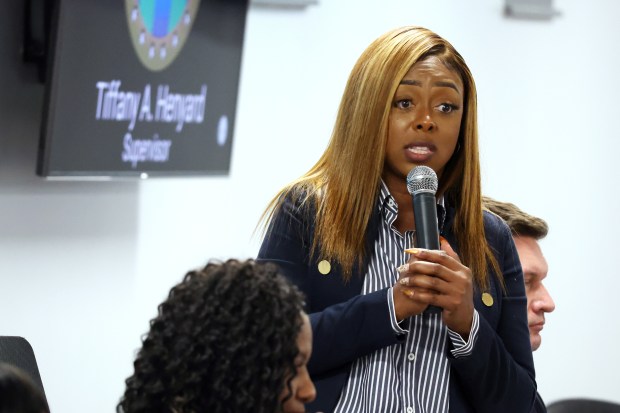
(302, 388)
(425, 120)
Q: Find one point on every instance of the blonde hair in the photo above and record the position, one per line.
(343, 185)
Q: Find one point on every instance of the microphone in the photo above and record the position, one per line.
(422, 184)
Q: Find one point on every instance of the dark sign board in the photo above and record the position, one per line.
(141, 88)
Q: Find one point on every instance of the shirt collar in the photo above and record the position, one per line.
(386, 200)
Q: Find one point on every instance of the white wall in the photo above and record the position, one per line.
(83, 265)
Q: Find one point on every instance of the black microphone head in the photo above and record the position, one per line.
(422, 179)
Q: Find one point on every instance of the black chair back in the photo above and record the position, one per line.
(583, 406)
(18, 352)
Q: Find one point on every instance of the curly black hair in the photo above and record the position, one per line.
(225, 340)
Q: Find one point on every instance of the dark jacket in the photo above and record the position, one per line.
(497, 377)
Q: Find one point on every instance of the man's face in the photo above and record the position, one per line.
(539, 301)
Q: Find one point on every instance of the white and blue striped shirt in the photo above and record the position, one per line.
(414, 375)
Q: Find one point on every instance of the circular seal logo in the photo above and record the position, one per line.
(159, 28)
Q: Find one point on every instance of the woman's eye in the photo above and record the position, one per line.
(447, 107)
(403, 104)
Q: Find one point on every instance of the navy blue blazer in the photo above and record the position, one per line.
(497, 377)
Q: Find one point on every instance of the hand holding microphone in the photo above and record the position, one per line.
(434, 276)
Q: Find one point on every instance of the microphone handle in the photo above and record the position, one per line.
(425, 212)
(426, 229)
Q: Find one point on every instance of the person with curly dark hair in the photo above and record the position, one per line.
(232, 337)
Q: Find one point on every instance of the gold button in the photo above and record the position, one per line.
(324, 267)
(487, 299)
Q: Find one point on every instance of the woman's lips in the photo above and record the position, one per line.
(419, 152)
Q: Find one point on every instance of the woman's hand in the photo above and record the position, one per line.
(436, 278)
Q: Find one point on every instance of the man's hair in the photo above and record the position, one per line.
(519, 222)
(225, 340)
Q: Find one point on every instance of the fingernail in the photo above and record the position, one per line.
(408, 293)
(403, 268)
(404, 281)
(413, 251)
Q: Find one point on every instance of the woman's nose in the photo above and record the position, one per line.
(425, 123)
(306, 391)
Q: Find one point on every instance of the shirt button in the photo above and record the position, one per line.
(411, 356)
(391, 203)
(409, 409)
